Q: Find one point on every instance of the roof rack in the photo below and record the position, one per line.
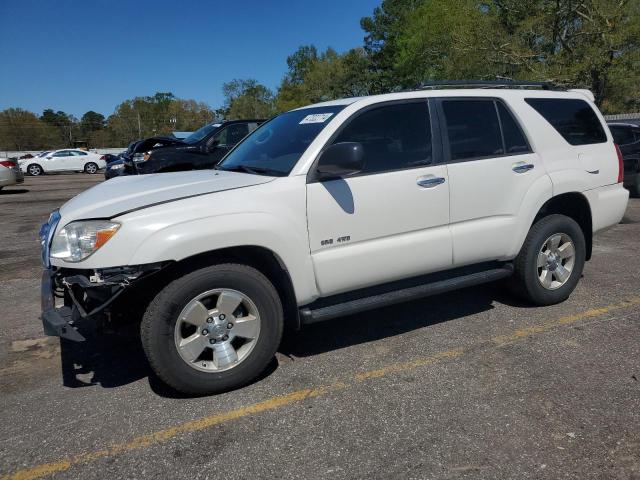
(515, 84)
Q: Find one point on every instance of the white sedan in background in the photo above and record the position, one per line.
(66, 160)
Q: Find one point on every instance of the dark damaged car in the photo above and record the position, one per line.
(203, 149)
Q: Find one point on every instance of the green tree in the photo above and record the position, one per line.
(159, 114)
(382, 30)
(592, 44)
(63, 124)
(314, 77)
(247, 99)
(23, 130)
(92, 121)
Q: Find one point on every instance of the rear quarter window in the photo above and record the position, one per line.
(574, 119)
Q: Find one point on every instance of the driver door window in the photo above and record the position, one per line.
(394, 137)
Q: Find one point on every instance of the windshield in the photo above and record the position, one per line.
(199, 134)
(276, 146)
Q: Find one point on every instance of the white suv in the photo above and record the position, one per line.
(333, 209)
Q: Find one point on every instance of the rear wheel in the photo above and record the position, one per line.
(91, 168)
(551, 260)
(34, 169)
(214, 329)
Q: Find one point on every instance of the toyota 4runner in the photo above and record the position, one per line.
(334, 209)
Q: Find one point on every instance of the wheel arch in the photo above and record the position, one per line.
(573, 205)
(262, 259)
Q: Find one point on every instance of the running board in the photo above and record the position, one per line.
(308, 315)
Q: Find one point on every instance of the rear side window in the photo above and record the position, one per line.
(574, 119)
(473, 129)
(514, 141)
(394, 136)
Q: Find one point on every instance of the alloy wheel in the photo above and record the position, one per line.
(555, 261)
(217, 330)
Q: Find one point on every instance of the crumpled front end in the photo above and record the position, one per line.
(69, 296)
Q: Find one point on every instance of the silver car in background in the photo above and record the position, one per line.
(10, 173)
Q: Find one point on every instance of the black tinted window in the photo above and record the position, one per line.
(236, 133)
(514, 140)
(393, 136)
(622, 135)
(472, 128)
(574, 119)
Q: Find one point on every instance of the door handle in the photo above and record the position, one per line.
(522, 167)
(430, 182)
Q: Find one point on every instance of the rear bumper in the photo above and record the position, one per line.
(11, 176)
(608, 205)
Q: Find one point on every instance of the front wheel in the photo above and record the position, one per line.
(34, 170)
(551, 260)
(91, 168)
(214, 329)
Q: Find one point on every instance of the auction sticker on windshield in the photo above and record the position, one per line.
(316, 118)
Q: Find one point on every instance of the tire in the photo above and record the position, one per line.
(165, 315)
(91, 168)
(528, 276)
(34, 170)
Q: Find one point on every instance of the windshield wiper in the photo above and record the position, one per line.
(252, 170)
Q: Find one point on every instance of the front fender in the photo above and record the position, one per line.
(185, 239)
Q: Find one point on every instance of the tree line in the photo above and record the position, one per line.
(592, 44)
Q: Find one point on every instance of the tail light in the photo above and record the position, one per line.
(8, 163)
(620, 164)
(103, 157)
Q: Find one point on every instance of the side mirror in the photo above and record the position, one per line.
(340, 160)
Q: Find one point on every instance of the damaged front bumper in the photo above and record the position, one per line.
(56, 322)
(84, 295)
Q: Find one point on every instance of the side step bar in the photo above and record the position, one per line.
(308, 316)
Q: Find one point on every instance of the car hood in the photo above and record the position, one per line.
(125, 194)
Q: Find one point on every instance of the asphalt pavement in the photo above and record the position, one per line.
(472, 384)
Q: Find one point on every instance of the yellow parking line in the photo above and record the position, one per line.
(273, 403)
(544, 327)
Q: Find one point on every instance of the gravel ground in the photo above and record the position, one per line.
(471, 384)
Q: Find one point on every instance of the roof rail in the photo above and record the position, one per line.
(516, 84)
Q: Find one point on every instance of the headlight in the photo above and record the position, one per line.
(77, 240)
(117, 166)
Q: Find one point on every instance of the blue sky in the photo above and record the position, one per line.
(92, 54)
